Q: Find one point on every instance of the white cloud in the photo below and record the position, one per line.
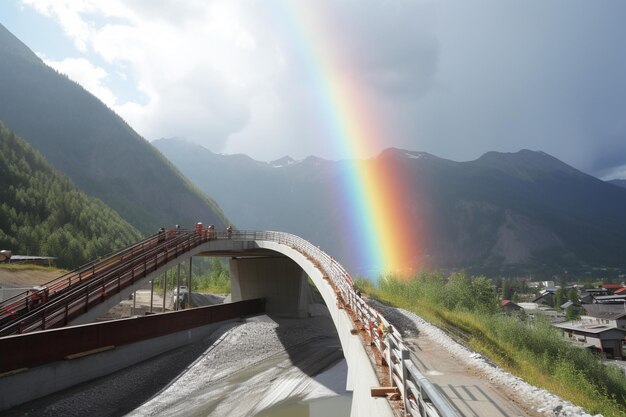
(450, 78)
(616, 173)
(198, 64)
(70, 16)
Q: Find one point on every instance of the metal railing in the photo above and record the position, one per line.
(78, 292)
(24, 302)
(74, 294)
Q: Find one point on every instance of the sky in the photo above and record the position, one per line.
(452, 78)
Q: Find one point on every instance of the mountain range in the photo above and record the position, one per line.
(504, 213)
(93, 146)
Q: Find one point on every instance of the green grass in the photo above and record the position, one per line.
(534, 351)
(212, 284)
(209, 276)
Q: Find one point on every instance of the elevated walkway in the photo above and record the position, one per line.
(379, 364)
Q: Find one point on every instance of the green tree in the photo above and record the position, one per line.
(483, 295)
(559, 298)
(43, 213)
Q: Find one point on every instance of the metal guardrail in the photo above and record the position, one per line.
(419, 396)
(80, 291)
(25, 301)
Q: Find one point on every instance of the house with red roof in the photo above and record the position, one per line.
(509, 306)
(611, 288)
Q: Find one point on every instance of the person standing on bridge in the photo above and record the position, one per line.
(229, 231)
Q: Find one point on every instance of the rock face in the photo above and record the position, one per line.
(523, 212)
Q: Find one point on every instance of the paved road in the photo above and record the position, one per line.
(470, 393)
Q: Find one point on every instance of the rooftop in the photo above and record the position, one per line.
(606, 311)
(586, 327)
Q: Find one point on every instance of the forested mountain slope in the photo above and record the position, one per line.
(43, 213)
(92, 145)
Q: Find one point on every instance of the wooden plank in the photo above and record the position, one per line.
(383, 391)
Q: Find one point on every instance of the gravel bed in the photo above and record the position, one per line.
(243, 366)
(250, 367)
(544, 402)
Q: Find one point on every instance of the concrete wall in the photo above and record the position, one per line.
(50, 378)
(279, 280)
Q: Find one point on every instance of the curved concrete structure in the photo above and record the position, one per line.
(278, 272)
(269, 265)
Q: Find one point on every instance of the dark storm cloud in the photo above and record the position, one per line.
(539, 75)
(391, 43)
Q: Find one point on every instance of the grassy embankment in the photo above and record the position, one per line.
(534, 351)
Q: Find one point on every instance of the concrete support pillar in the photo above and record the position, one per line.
(280, 281)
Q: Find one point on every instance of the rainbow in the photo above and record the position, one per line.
(373, 195)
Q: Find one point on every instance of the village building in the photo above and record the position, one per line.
(610, 299)
(611, 288)
(588, 295)
(546, 297)
(602, 329)
(620, 291)
(509, 307)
